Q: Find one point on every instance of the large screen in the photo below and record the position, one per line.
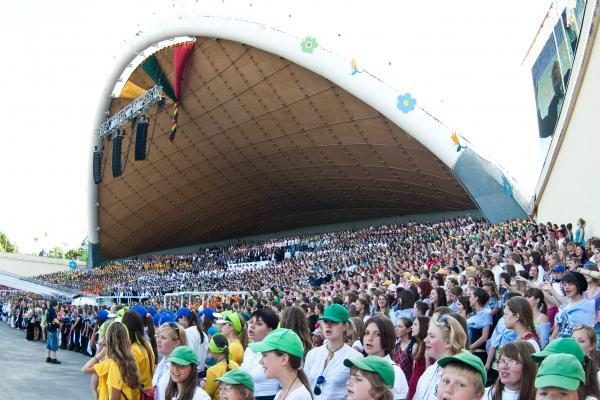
(552, 67)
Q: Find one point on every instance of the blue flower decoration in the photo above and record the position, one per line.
(507, 187)
(406, 103)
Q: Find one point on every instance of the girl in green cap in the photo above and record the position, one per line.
(282, 351)
(183, 382)
(324, 365)
(236, 385)
(559, 377)
(371, 378)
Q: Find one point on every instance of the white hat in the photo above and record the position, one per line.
(392, 288)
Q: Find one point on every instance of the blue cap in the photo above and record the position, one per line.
(209, 313)
(168, 316)
(151, 310)
(140, 310)
(156, 319)
(102, 315)
(559, 268)
(184, 312)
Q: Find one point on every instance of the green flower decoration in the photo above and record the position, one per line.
(309, 44)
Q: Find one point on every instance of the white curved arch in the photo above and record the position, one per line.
(376, 93)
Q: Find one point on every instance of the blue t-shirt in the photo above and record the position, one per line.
(453, 307)
(502, 335)
(572, 314)
(476, 323)
(543, 332)
(493, 303)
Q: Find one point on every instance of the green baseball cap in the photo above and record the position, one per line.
(562, 371)
(560, 346)
(238, 377)
(281, 339)
(183, 355)
(374, 364)
(468, 359)
(336, 313)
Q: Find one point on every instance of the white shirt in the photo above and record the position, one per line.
(507, 394)
(535, 344)
(541, 274)
(497, 270)
(262, 386)
(519, 267)
(400, 384)
(160, 380)
(200, 348)
(199, 394)
(358, 345)
(336, 374)
(427, 387)
(300, 393)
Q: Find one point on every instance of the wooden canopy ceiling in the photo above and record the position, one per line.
(263, 145)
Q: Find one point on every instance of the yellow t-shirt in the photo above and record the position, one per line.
(216, 371)
(141, 360)
(102, 372)
(115, 380)
(236, 352)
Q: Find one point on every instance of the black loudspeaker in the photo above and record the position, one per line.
(116, 156)
(97, 162)
(141, 134)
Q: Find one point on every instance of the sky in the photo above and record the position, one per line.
(57, 54)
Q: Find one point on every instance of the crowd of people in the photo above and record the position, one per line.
(456, 309)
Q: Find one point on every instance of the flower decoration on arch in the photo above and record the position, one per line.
(309, 44)
(456, 141)
(406, 103)
(354, 66)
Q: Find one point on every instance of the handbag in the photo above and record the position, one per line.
(145, 394)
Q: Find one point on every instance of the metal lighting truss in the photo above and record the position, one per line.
(133, 110)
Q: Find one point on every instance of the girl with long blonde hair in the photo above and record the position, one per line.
(124, 379)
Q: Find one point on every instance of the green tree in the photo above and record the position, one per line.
(78, 254)
(6, 245)
(57, 252)
(72, 254)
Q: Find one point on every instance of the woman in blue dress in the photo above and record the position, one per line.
(479, 323)
(535, 297)
(577, 310)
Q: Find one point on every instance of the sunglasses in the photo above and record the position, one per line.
(174, 326)
(320, 381)
(443, 320)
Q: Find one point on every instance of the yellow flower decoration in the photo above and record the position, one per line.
(455, 138)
